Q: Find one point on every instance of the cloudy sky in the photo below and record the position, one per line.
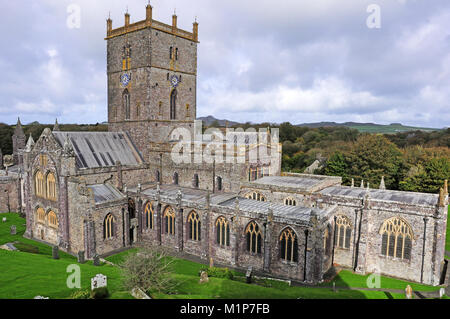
(259, 60)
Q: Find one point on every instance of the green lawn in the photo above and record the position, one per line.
(26, 275)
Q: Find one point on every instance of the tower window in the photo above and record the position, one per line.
(176, 54)
(126, 103)
(173, 104)
(171, 53)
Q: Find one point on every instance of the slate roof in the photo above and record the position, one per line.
(100, 149)
(385, 195)
(105, 193)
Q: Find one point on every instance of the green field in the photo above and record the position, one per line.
(26, 275)
(388, 129)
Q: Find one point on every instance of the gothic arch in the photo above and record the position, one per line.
(396, 238)
(222, 231)
(194, 224)
(253, 236)
(288, 243)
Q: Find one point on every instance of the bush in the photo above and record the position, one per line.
(80, 294)
(100, 293)
(218, 272)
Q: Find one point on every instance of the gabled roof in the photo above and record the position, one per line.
(105, 193)
(100, 149)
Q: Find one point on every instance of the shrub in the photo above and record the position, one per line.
(81, 294)
(218, 272)
(100, 293)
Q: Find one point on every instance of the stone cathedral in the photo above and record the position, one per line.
(99, 193)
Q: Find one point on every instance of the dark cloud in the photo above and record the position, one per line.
(291, 60)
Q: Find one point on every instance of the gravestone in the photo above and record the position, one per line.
(96, 260)
(248, 275)
(408, 292)
(40, 297)
(334, 286)
(441, 292)
(81, 258)
(98, 281)
(13, 230)
(4, 219)
(55, 252)
(204, 277)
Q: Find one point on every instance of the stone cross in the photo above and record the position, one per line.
(98, 281)
(55, 252)
(408, 292)
(13, 230)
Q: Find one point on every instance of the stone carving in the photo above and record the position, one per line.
(99, 281)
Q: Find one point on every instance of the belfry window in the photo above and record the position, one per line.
(288, 245)
(173, 104)
(396, 238)
(126, 103)
(254, 238)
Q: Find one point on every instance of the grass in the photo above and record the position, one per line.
(26, 275)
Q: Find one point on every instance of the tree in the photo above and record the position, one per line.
(150, 269)
(337, 165)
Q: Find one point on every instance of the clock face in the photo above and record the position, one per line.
(125, 79)
(174, 80)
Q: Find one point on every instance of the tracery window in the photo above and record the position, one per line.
(194, 226)
(256, 196)
(342, 235)
(396, 240)
(149, 213)
(108, 226)
(40, 215)
(290, 201)
(51, 186)
(223, 231)
(288, 245)
(39, 184)
(52, 219)
(254, 238)
(169, 221)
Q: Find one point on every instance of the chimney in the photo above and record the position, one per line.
(149, 14)
(195, 31)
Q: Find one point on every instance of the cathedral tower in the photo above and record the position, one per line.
(152, 79)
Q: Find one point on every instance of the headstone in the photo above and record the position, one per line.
(55, 252)
(408, 292)
(4, 219)
(96, 260)
(81, 258)
(334, 286)
(13, 230)
(441, 292)
(204, 277)
(40, 297)
(248, 275)
(98, 281)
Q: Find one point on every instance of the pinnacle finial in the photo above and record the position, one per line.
(382, 184)
(362, 183)
(56, 126)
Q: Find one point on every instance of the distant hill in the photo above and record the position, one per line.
(371, 127)
(208, 120)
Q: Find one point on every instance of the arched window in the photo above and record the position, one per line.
(396, 240)
(176, 53)
(256, 196)
(175, 178)
(254, 238)
(219, 183)
(342, 235)
(194, 226)
(289, 201)
(173, 104)
(39, 184)
(223, 231)
(126, 103)
(52, 219)
(171, 53)
(288, 245)
(108, 226)
(40, 215)
(195, 181)
(149, 212)
(169, 221)
(51, 186)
